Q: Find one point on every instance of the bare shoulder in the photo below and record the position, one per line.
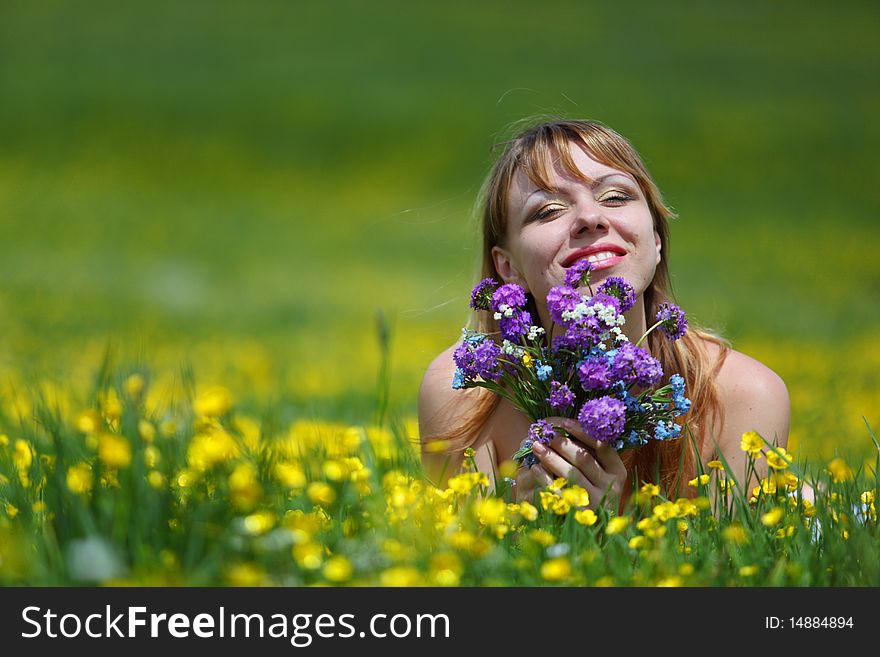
(435, 393)
(746, 384)
(442, 410)
(753, 398)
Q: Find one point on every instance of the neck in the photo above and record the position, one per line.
(636, 323)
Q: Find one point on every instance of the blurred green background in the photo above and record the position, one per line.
(241, 185)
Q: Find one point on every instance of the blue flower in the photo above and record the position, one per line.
(458, 379)
(544, 372)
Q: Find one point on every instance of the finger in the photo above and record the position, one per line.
(606, 455)
(581, 457)
(541, 477)
(555, 464)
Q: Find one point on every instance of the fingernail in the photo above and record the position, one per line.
(538, 448)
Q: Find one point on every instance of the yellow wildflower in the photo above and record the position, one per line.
(210, 447)
(11, 510)
(840, 471)
(308, 555)
(444, 569)
(617, 524)
(638, 542)
(259, 523)
(146, 431)
(670, 582)
(22, 455)
(542, 537)
(88, 422)
(778, 458)
(463, 484)
(152, 456)
(213, 402)
(338, 569)
(715, 464)
(736, 534)
(79, 478)
(436, 445)
(245, 574)
(702, 480)
(156, 479)
(527, 511)
(752, 443)
(586, 517)
(772, 517)
(490, 511)
(575, 496)
(398, 576)
(244, 488)
(650, 490)
(555, 570)
(290, 475)
(333, 470)
(551, 501)
(785, 532)
(748, 571)
(134, 385)
(114, 451)
(320, 492)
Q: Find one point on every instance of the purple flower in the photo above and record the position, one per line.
(603, 418)
(541, 432)
(477, 359)
(560, 395)
(486, 360)
(579, 273)
(583, 334)
(560, 299)
(594, 373)
(511, 295)
(514, 327)
(606, 300)
(481, 297)
(675, 322)
(616, 286)
(635, 365)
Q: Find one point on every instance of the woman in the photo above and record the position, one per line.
(560, 192)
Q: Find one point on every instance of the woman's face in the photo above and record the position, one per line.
(606, 220)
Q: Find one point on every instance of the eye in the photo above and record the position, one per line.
(615, 197)
(547, 211)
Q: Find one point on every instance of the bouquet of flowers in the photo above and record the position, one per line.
(590, 371)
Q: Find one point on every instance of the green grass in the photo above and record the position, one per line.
(217, 172)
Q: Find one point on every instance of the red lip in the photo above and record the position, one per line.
(590, 250)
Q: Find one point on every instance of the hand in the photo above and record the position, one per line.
(594, 466)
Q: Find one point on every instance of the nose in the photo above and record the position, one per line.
(587, 220)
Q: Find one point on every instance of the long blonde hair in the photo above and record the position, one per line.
(533, 151)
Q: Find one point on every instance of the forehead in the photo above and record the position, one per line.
(550, 172)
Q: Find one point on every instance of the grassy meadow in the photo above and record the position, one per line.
(209, 209)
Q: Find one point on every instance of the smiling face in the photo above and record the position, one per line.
(601, 215)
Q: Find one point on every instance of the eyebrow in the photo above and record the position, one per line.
(595, 183)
